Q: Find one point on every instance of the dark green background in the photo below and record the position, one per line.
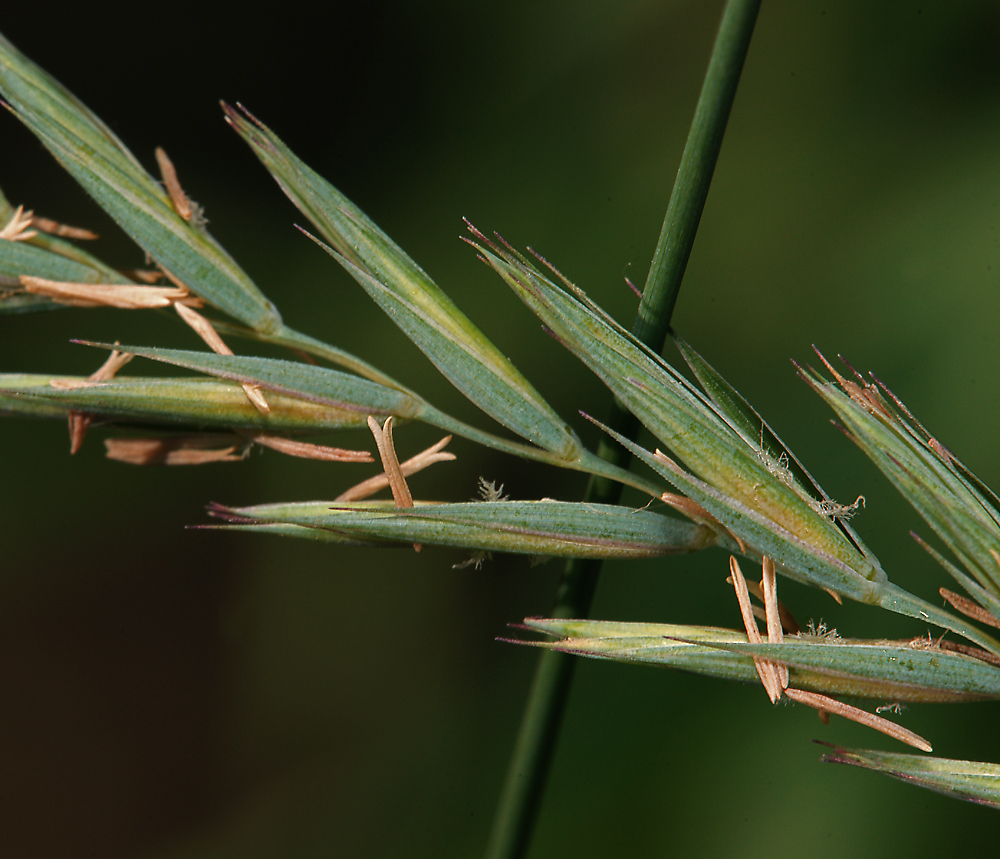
(174, 693)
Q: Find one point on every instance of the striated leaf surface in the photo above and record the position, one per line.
(973, 781)
(556, 528)
(956, 504)
(463, 354)
(886, 671)
(189, 401)
(307, 381)
(105, 168)
(682, 418)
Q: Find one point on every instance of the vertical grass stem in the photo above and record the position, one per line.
(534, 748)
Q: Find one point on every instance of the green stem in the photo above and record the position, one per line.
(894, 598)
(534, 749)
(694, 175)
(586, 461)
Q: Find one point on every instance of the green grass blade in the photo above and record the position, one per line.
(306, 381)
(925, 474)
(462, 353)
(549, 528)
(303, 532)
(296, 341)
(17, 397)
(973, 781)
(345, 391)
(50, 257)
(99, 161)
(682, 418)
(816, 664)
(17, 258)
(924, 670)
(189, 402)
(970, 586)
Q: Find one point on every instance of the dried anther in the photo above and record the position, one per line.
(774, 675)
(177, 196)
(311, 451)
(769, 585)
(435, 453)
(390, 462)
(124, 296)
(79, 422)
(115, 361)
(54, 228)
(970, 608)
(203, 328)
(390, 465)
(789, 625)
(144, 275)
(862, 717)
(16, 229)
(766, 670)
(176, 450)
(689, 508)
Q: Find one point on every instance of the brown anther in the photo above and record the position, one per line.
(968, 650)
(178, 198)
(311, 451)
(766, 670)
(692, 509)
(411, 466)
(71, 384)
(789, 625)
(79, 422)
(16, 229)
(203, 328)
(769, 586)
(144, 275)
(689, 508)
(390, 462)
(970, 608)
(54, 228)
(826, 704)
(116, 360)
(774, 675)
(175, 450)
(136, 297)
(125, 296)
(390, 465)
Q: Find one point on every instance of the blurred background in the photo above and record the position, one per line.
(167, 692)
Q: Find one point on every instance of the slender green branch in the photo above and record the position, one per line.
(534, 749)
(586, 461)
(596, 465)
(694, 175)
